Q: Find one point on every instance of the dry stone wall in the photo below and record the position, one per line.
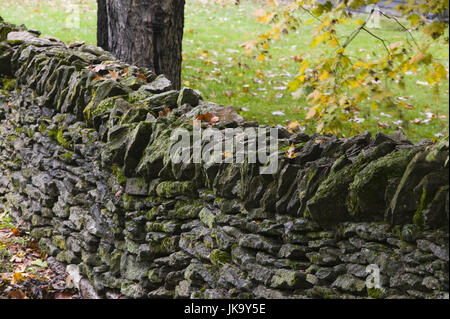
(85, 163)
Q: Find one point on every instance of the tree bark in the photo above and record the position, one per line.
(102, 24)
(145, 33)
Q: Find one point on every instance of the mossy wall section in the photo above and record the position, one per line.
(84, 162)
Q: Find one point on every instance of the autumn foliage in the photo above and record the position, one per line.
(336, 84)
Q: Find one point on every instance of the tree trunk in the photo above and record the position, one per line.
(145, 33)
(102, 24)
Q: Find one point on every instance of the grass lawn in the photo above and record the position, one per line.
(215, 64)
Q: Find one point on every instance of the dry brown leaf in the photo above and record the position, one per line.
(166, 111)
(114, 74)
(142, 76)
(208, 118)
(293, 126)
(17, 294)
(99, 67)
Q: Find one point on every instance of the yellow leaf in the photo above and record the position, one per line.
(305, 65)
(345, 61)
(320, 127)
(15, 231)
(414, 19)
(311, 113)
(374, 106)
(319, 39)
(333, 42)
(325, 75)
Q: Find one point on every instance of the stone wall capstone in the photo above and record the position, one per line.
(85, 163)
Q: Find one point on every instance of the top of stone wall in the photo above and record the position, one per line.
(134, 112)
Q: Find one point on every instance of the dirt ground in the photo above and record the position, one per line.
(26, 272)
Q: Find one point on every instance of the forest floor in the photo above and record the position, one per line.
(25, 271)
(215, 62)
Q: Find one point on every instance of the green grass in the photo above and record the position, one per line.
(53, 17)
(215, 63)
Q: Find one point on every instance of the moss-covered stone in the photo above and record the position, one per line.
(220, 257)
(328, 206)
(8, 84)
(367, 192)
(106, 89)
(173, 189)
(59, 241)
(186, 210)
(117, 171)
(289, 279)
(138, 140)
(406, 200)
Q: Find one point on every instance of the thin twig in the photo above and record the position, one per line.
(311, 14)
(358, 30)
(402, 26)
(380, 39)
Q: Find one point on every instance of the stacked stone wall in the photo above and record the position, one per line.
(85, 163)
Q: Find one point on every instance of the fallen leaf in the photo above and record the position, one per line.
(166, 111)
(17, 294)
(208, 118)
(18, 277)
(142, 76)
(291, 152)
(40, 263)
(15, 231)
(99, 67)
(114, 74)
(293, 126)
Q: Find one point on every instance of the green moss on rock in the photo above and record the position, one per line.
(173, 189)
(220, 257)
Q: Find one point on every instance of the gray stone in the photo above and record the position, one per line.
(189, 96)
(350, 284)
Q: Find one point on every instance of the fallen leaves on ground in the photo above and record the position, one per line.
(26, 272)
